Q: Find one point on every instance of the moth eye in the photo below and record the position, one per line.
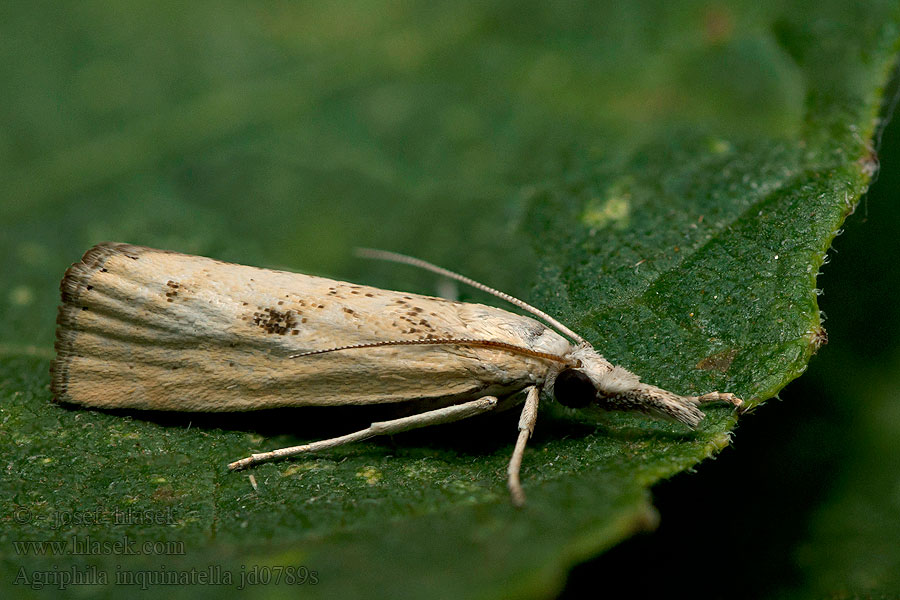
(574, 389)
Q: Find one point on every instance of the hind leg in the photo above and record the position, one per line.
(447, 414)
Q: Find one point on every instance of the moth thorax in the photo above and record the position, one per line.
(573, 388)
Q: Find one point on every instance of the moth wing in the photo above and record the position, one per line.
(151, 329)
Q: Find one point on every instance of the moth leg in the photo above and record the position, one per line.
(715, 397)
(526, 428)
(447, 414)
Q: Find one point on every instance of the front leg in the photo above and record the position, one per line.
(715, 397)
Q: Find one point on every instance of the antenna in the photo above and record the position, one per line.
(417, 262)
(440, 341)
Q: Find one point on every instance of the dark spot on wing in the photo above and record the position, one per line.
(273, 320)
(174, 287)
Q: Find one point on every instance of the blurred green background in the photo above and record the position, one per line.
(283, 134)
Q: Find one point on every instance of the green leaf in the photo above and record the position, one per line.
(666, 179)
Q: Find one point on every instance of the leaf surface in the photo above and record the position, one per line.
(666, 179)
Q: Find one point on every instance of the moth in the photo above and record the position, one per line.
(150, 329)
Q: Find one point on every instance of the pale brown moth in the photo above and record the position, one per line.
(149, 329)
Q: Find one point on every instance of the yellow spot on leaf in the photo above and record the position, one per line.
(721, 441)
(370, 474)
(21, 295)
(419, 470)
(613, 210)
(719, 146)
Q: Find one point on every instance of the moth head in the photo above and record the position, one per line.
(593, 381)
